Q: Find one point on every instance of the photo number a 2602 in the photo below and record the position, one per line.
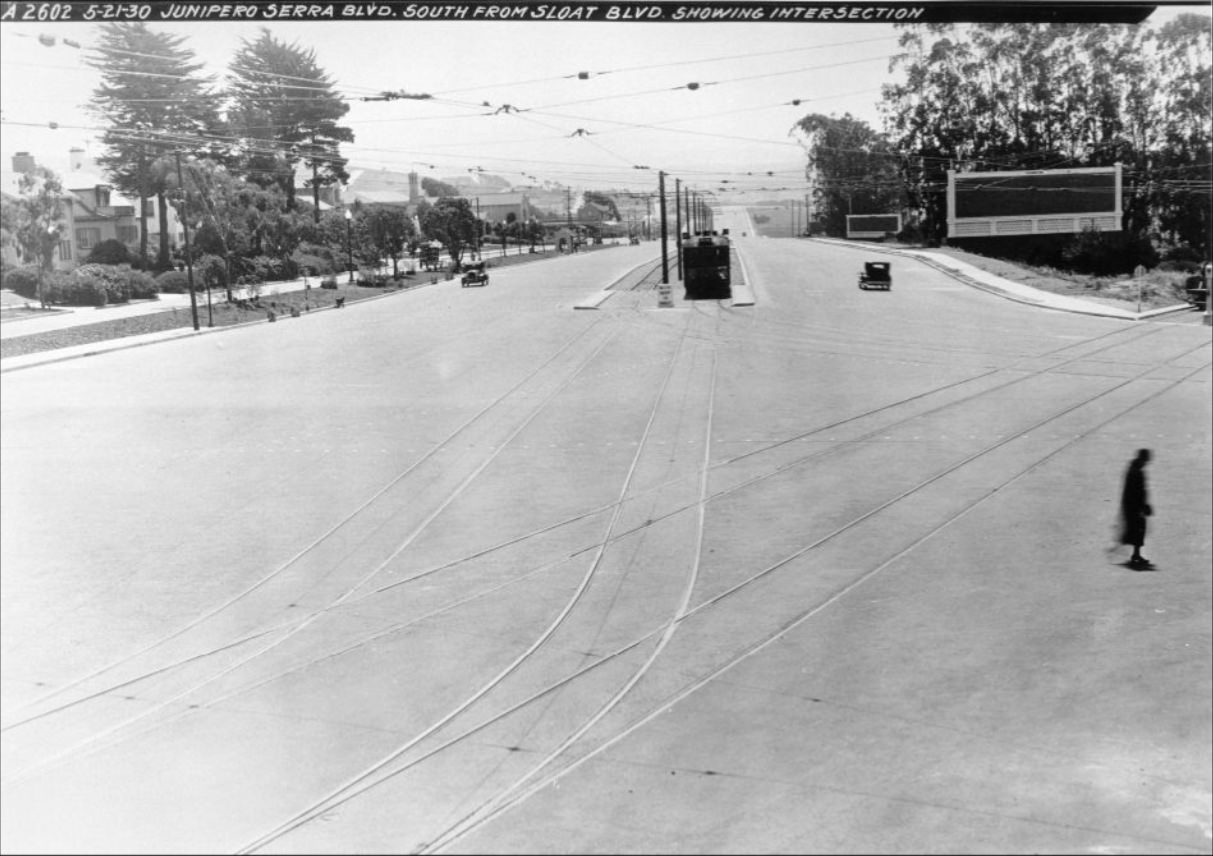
(75, 12)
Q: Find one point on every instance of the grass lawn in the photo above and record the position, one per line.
(222, 314)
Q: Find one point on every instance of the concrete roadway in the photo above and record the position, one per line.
(466, 570)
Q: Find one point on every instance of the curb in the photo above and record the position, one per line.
(961, 276)
(42, 358)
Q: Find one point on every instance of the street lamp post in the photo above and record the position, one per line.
(349, 244)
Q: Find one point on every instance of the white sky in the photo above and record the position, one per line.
(737, 125)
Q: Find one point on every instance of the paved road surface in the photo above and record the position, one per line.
(466, 570)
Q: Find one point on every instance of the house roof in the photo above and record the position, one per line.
(497, 198)
(379, 197)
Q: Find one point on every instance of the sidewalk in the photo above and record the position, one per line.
(64, 317)
(978, 278)
(74, 316)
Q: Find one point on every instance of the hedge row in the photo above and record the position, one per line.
(87, 285)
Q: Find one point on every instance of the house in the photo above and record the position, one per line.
(93, 211)
(496, 207)
(66, 255)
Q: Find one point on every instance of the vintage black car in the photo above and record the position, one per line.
(474, 275)
(876, 275)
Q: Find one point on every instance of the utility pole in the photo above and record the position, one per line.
(479, 228)
(665, 264)
(185, 224)
(678, 223)
(315, 185)
(568, 210)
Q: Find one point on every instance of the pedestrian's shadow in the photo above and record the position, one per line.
(1136, 566)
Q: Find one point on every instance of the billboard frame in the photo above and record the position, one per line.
(1053, 223)
(869, 233)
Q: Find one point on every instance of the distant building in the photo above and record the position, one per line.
(382, 187)
(496, 207)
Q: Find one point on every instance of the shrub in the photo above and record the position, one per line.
(142, 285)
(911, 233)
(210, 271)
(1107, 253)
(1182, 259)
(62, 288)
(268, 268)
(109, 252)
(102, 284)
(23, 281)
(173, 282)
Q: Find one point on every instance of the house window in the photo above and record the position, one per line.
(88, 238)
(103, 196)
(65, 251)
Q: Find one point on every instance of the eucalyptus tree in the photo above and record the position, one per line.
(155, 101)
(285, 112)
(1052, 96)
(1184, 130)
(850, 168)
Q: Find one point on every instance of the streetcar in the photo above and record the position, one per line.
(706, 266)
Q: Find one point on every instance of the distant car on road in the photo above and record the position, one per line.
(474, 275)
(878, 275)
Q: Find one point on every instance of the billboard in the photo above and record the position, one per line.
(872, 225)
(1033, 202)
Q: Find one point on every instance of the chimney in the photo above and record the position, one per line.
(23, 162)
(75, 159)
(414, 187)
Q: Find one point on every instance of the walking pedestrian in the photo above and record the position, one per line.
(1134, 509)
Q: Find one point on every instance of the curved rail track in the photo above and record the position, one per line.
(618, 709)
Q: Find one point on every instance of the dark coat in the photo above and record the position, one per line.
(1134, 505)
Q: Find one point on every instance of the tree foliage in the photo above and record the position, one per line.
(1056, 96)
(450, 222)
(850, 168)
(35, 220)
(285, 111)
(153, 98)
(387, 232)
(434, 187)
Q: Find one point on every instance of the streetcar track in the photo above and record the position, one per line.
(434, 450)
(663, 640)
(602, 509)
(316, 614)
(744, 584)
(512, 667)
(504, 804)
